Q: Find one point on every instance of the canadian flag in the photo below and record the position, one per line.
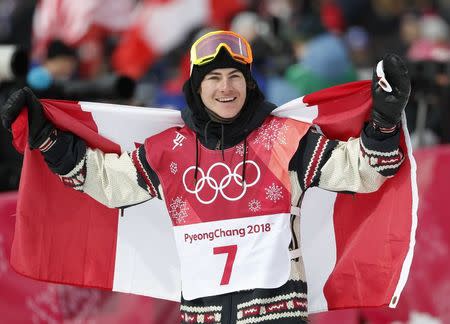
(70, 21)
(161, 25)
(357, 248)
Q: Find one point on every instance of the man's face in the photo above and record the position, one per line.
(224, 91)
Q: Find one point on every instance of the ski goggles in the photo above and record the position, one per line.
(205, 48)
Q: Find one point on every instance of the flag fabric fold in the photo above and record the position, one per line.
(357, 248)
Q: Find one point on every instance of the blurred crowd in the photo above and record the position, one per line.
(137, 52)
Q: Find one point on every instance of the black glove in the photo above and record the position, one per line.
(39, 126)
(388, 106)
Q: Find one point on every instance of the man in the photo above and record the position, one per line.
(212, 175)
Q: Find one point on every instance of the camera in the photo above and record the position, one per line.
(107, 87)
(14, 62)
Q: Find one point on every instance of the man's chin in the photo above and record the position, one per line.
(228, 116)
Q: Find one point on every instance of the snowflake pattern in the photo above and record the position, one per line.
(274, 192)
(173, 168)
(271, 133)
(240, 149)
(254, 205)
(178, 210)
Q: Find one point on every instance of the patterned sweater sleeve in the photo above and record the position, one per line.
(113, 180)
(357, 165)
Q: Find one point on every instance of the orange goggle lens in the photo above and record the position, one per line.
(206, 47)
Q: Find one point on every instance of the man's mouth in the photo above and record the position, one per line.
(225, 100)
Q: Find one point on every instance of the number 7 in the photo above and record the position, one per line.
(231, 251)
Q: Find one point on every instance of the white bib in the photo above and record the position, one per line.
(236, 254)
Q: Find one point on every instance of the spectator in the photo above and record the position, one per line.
(323, 61)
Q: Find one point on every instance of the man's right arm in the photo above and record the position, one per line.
(113, 180)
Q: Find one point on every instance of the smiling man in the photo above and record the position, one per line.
(238, 171)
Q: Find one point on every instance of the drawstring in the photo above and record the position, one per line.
(205, 130)
(243, 161)
(196, 159)
(221, 143)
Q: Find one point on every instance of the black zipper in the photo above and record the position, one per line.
(217, 145)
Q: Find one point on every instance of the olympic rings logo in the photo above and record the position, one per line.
(219, 186)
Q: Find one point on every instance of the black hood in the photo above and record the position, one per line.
(209, 132)
(208, 126)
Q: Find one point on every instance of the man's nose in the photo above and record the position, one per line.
(224, 84)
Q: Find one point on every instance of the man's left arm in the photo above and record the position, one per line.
(361, 164)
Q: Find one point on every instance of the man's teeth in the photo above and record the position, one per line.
(226, 99)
